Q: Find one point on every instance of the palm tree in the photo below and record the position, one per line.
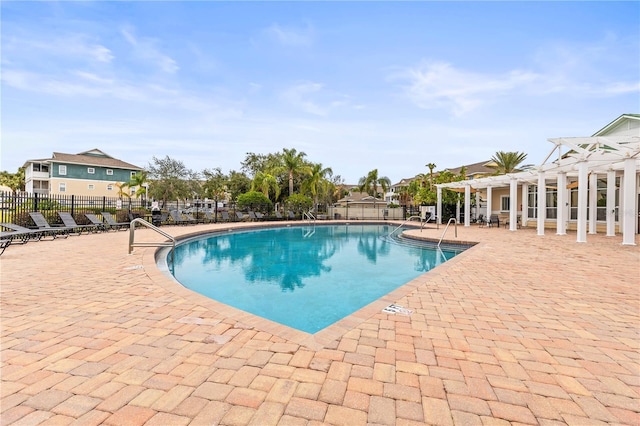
(293, 163)
(431, 166)
(370, 182)
(138, 182)
(507, 162)
(316, 177)
(264, 182)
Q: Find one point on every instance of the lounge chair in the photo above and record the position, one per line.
(113, 223)
(252, 215)
(278, 215)
(3, 245)
(190, 219)
(259, 216)
(208, 217)
(177, 218)
(42, 224)
(70, 222)
(23, 234)
(290, 215)
(225, 216)
(99, 224)
(240, 216)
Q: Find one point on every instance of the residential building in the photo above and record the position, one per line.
(89, 173)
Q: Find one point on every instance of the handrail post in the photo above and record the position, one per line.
(132, 229)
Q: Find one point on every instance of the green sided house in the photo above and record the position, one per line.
(91, 172)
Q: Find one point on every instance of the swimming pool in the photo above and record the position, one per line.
(305, 277)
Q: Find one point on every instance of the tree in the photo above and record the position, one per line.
(431, 166)
(265, 182)
(238, 184)
(138, 181)
(293, 163)
(370, 182)
(215, 184)
(317, 175)
(254, 200)
(171, 180)
(299, 203)
(15, 181)
(507, 162)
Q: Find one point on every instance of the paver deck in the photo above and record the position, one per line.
(519, 329)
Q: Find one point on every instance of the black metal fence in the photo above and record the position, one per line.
(15, 208)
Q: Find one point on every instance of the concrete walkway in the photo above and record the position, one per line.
(519, 329)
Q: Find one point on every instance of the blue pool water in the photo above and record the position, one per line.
(305, 277)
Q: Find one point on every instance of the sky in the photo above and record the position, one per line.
(356, 86)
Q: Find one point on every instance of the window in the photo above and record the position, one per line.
(109, 187)
(91, 187)
(504, 203)
(62, 187)
(133, 174)
(91, 170)
(109, 172)
(62, 170)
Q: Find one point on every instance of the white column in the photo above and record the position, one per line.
(561, 221)
(477, 203)
(629, 195)
(542, 202)
(525, 203)
(439, 207)
(489, 199)
(611, 203)
(513, 204)
(458, 209)
(582, 202)
(467, 205)
(593, 202)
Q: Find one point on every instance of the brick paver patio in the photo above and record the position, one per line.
(520, 329)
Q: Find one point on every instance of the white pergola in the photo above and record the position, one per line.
(583, 160)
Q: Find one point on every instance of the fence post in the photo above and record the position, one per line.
(104, 203)
(73, 202)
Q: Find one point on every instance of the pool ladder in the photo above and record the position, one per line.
(132, 229)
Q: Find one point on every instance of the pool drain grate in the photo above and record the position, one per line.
(397, 309)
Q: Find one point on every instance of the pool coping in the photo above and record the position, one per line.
(326, 337)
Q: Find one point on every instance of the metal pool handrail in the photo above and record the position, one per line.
(455, 225)
(403, 223)
(132, 244)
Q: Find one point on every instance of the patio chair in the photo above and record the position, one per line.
(191, 220)
(21, 233)
(291, 215)
(208, 217)
(225, 216)
(113, 223)
(494, 219)
(240, 216)
(71, 223)
(252, 215)
(259, 216)
(3, 245)
(41, 223)
(177, 218)
(481, 221)
(99, 224)
(278, 215)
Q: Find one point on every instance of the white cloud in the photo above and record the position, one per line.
(300, 96)
(440, 85)
(290, 36)
(145, 48)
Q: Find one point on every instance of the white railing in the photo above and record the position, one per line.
(403, 223)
